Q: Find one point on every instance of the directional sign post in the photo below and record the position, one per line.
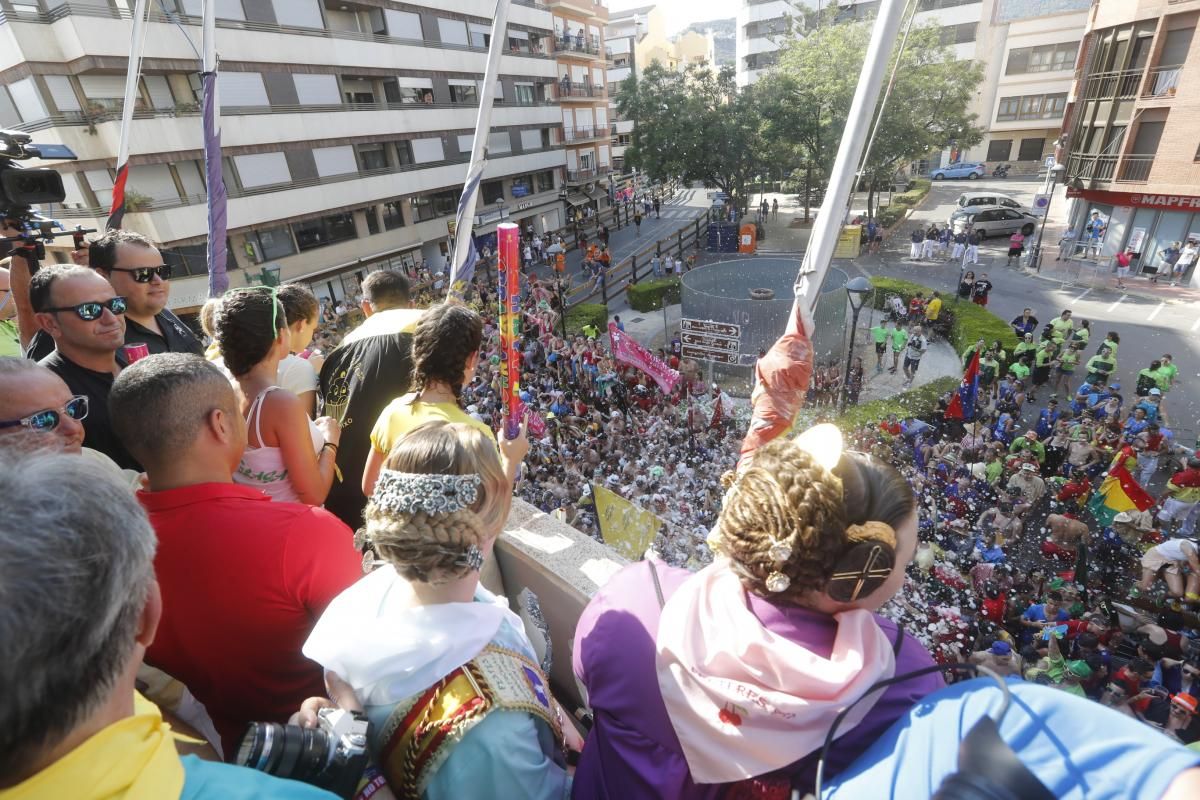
(708, 340)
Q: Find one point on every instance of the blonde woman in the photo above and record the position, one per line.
(457, 702)
(704, 684)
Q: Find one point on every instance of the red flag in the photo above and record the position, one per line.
(717, 410)
(962, 404)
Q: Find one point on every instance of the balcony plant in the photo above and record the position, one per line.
(136, 201)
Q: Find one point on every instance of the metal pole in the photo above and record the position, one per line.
(842, 396)
(1037, 248)
(841, 180)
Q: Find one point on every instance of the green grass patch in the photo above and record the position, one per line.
(595, 314)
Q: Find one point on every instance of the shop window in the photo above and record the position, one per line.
(545, 180)
(323, 231)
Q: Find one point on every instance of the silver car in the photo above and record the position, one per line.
(993, 221)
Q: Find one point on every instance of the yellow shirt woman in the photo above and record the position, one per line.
(407, 413)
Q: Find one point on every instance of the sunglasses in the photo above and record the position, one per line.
(91, 311)
(146, 274)
(47, 420)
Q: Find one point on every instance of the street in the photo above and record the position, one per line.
(1150, 322)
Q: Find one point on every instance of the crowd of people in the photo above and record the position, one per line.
(290, 517)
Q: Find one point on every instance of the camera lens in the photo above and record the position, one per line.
(286, 751)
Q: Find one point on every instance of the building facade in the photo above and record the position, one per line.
(347, 127)
(1028, 49)
(638, 38)
(582, 59)
(1133, 148)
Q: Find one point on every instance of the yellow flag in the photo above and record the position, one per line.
(626, 528)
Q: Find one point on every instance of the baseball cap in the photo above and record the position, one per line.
(1080, 669)
(1000, 648)
(1185, 700)
(1027, 467)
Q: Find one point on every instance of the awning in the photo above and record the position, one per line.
(576, 199)
(597, 194)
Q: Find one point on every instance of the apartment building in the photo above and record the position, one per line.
(582, 60)
(1133, 146)
(638, 37)
(1028, 49)
(347, 127)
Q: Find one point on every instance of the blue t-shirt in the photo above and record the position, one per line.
(212, 780)
(1045, 727)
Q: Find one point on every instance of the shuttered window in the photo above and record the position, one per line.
(335, 160)
(241, 89)
(315, 90)
(426, 150)
(299, 13)
(262, 169)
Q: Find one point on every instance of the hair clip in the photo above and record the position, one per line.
(778, 582)
(412, 492)
(472, 559)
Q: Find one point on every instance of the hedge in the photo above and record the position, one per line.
(920, 402)
(650, 295)
(583, 314)
(968, 322)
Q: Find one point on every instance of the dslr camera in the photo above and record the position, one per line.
(331, 756)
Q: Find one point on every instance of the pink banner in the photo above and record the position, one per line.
(625, 348)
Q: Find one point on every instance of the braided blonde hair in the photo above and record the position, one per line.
(820, 516)
(431, 548)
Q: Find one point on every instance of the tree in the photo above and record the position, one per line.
(695, 125)
(806, 99)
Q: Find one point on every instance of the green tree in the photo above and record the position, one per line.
(695, 125)
(806, 99)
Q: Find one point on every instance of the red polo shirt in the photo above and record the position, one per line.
(244, 580)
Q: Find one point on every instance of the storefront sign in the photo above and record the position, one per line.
(525, 205)
(1163, 201)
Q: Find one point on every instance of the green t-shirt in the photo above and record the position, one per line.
(899, 339)
(1062, 328)
(879, 334)
(993, 471)
(1165, 376)
(1112, 348)
(10, 339)
(1042, 358)
(1023, 348)
(1067, 360)
(1100, 365)
(1083, 335)
(1019, 369)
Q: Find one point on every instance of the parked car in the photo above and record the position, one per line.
(959, 169)
(993, 221)
(967, 199)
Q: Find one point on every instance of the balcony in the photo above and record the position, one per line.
(1162, 82)
(1135, 168)
(581, 45)
(567, 90)
(582, 133)
(1122, 85)
(586, 175)
(1091, 167)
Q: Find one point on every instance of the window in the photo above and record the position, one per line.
(524, 94)
(492, 191)
(761, 60)
(404, 153)
(958, 34)
(371, 157)
(933, 5)
(393, 215)
(1044, 58)
(1031, 106)
(192, 259)
(324, 231)
(999, 149)
(372, 220)
(545, 180)
(465, 93)
(432, 206)
(452, 31)
(333, 161)
(262, 169)
(1031, 149)
(522, 186)
(531, 139)
(987, 216)
(479, 35)
(273, 243)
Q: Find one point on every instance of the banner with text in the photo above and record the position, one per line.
(625, 348)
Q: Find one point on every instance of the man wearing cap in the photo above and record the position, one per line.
(1026, 481)
(999, 658)
(1029, 443)
(1151, 405)
(1181, 717)
(1182, 496)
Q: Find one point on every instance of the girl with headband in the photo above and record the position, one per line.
(729, 679)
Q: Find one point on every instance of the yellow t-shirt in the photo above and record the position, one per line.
(933, 309)
(405, 414)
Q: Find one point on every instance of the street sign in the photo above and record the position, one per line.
(848, 242)
(1050, 162)
(726, 329)
(1041, 202)
(702, 354)
(710, 342)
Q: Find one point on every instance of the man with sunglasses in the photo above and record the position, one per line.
(36, 402)
(135, 268)
(80, 311)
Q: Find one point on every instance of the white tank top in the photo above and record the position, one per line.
(263, 467)
(1172, 549)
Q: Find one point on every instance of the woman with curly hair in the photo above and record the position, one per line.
(457, 702)
(445, 353)
(288, 456)
(724, 683)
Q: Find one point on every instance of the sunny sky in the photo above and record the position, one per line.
(681, 13)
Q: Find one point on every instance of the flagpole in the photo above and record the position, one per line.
(464, 256)
(214, 180)
(137, 44)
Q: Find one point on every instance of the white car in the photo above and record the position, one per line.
(993, 221)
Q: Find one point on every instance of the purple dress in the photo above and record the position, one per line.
(632, 751)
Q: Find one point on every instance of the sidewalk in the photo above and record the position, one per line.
(1096, 275)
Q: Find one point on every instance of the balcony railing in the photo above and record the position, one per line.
(1122, 85)
(581, 133)
(1162, 82)
(1136, 168)
(585, 175)
(1090, 167)
(567, 90)
(585, 45)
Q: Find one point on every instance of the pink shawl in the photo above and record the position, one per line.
(744, 701)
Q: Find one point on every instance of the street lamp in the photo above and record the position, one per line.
(1055, 172)
(857, 290)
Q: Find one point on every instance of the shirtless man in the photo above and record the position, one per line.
(1002, 522)
(1066, 532)
(1172, 559)
(1080, 454)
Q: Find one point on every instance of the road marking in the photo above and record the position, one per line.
(1113, 307)
(1196, 324)
(1154, 313)
(1081, 296)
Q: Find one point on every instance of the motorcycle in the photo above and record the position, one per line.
(1001, 171)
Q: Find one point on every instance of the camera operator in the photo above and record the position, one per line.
(82, 601)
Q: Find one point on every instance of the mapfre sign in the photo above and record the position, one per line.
(1167, 202)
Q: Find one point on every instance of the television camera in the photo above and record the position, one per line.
(21, 188)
